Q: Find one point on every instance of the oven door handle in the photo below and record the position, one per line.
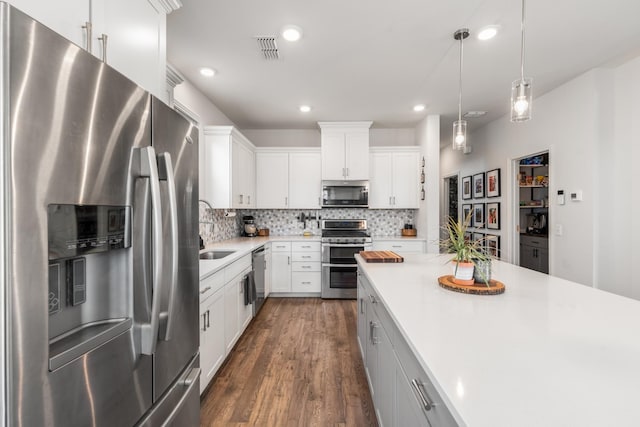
(346, 245)
(354, 265)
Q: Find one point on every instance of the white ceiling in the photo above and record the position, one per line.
(375, 59)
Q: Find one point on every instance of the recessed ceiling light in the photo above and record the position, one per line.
(474, 114)
(207, 72)
(305, 108)
(291, 33)
(419, 107)
(488, 32)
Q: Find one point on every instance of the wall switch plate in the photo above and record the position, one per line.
(558, 229)
(560, 199)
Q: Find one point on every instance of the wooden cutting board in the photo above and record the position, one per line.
(381, 256)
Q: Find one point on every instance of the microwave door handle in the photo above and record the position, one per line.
(166, 173)
(149, 168)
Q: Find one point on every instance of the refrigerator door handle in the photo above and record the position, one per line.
(165, 173)
(149, 168)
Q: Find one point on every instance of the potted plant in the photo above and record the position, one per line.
(468, 253)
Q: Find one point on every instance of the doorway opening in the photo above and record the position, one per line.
(533, 211)
(450, 205)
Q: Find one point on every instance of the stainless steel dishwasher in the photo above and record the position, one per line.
(259, 267)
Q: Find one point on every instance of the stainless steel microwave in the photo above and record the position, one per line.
(345, 194)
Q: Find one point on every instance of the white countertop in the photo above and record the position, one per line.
(547, 352)
(242, 246)
(398, 237)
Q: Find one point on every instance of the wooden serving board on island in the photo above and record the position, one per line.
(381, 256)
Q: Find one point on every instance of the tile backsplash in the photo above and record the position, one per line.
(214, 226)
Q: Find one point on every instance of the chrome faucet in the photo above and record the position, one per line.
(210, 207)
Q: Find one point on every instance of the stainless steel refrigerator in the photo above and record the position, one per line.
(99, 264)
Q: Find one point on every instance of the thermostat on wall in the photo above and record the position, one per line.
(576, 196)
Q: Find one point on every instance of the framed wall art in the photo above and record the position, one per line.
(493, 216)
(466, 188)
(478, 186)
(478, 237)
(492, 245)
(466, 210)
(478, 215)
(493, 183)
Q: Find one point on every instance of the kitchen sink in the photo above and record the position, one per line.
(215, 254)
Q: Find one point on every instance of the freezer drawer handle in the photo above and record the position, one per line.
(190, 382)
(165, 173)
(149, 168)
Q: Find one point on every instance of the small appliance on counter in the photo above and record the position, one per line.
(250, 229)
(409, 231)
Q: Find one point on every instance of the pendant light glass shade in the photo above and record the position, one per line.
(521, 99)
(459, 135)
(459, 138)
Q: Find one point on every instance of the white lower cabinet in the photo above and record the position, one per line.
(402, 393)
(223, 316)
(281, 267)
(296, 267)
(212, 346)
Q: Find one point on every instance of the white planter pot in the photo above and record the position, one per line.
(463, 273)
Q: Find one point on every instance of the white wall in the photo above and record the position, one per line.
(311, 137)
(427, 135)
(207, 113)
(587, 126)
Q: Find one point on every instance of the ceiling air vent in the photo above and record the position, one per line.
(268, 47)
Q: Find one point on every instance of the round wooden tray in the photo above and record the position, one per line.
(494, 288)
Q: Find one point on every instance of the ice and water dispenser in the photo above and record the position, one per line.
(89, 278)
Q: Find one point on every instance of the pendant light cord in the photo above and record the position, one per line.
(460, 83)
(522, 43)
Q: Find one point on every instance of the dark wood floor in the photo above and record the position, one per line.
(297, 364)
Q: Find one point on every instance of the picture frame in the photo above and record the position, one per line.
(492, 245)
(478, 186)
(466, 188)
(493, 216)
(493, 183)
(478, 237)
(466, 209)
(478, 215)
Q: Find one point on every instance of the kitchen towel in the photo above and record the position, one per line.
(249, 289)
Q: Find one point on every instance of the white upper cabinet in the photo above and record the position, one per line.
(272, 183)
(227, 175)
(135, 42)
(394, 178)
(345, 150)
(305, 180)
(288, 179)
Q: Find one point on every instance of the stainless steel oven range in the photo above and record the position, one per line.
(341, 240)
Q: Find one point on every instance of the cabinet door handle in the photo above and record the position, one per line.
(204, 321)
(361, 305)
(374, 339)
(371, 331)
(87, 27)
(396, 246)
(390, 200)
(347, 172)
(208, 318)
(306, 256)
(241, 199)
(372, 299)
(289, 260)
(306, 246)
(306, 283)
(394, 200)
(205, 290)
(103, 38)
(319, 201)
(286, 201)
(422, 395)
(249, 199)
(306, 266)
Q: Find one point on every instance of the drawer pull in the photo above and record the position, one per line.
(307, 247)
(396, 246)
(306, 256)
(422, 395)
(306, 283)
(205, 290)
(306, 266)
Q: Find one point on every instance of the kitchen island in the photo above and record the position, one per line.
(547, 352)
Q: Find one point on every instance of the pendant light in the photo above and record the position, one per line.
(521, 88)
(460, 126)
